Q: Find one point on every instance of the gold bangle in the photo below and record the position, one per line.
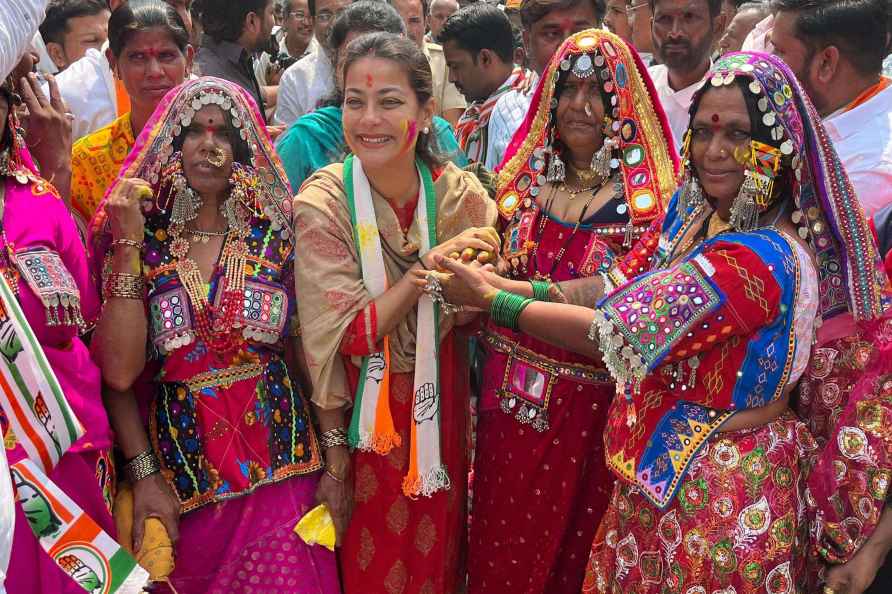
(334, 477)
(128, 242)
(125, 286)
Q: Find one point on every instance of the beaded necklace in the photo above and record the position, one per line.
(543, 221)
(214, 323)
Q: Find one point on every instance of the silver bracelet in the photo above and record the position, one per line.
(141, 466)
(333, 438)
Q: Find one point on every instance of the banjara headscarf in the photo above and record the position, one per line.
(685, 357)
(259, 185)
(154, 149)
(638, 141)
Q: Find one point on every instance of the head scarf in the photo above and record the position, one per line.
(849, 266)
(154, 147)
(646, 153)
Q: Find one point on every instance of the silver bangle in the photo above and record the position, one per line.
(141, 466)
(333, 438)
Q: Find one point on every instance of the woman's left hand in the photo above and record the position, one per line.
(858, 574)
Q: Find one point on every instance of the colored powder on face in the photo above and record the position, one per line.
(411, 131)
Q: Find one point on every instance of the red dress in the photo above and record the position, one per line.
(540, 479)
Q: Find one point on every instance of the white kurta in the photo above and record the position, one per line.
(675, 103)
(19, 20)
(304, 85)
(863, 139)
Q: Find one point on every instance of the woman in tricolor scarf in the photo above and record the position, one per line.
(44, 262)
(195, 249)
(706, 326)
(591, 167)
(374, 343)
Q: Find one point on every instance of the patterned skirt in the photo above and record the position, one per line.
(737, 523)
(538, 497)
(397, 545)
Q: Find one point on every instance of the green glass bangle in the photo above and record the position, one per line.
(540, 289)
(506, 308)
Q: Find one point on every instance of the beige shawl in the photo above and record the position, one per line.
(328, 279)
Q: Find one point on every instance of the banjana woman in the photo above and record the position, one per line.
(149, 53)
(44, 262)
(706, 326)
(195, 248)
(592, 166)
(374, 342)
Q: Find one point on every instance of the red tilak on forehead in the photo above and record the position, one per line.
(369, 81)
(715, 118)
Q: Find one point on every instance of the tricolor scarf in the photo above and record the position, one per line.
(473, 125)
(76, 543)
(46, 427)
(371, 426)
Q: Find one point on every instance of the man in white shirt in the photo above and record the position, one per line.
(310, 80)
(479, 47)
(683, 34)
(836, 49)
(546, 24)
(71, 27)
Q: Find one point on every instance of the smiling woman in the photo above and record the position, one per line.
(149, 52)
(377, 343)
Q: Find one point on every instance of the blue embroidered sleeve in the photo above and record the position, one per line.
(724, 289)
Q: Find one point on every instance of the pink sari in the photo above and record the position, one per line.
(43, 255)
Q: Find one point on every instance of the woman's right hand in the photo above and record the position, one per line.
(477, 238)
(125, 207)
(337, 495)
(153, 498)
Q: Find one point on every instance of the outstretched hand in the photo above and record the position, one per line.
(470, 285)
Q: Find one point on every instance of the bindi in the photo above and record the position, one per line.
(715, 118)
(369, 81)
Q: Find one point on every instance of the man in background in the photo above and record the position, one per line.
(440, 11)
(640, 24)
(743, 21)
(310, 80)
(684, 32)
(546, 24)
(450, 103)
(617, 21)
(479, 47)
(836, 49)
(233, 32)
(72, 27)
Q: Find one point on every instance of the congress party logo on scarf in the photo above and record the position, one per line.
(30, 394)
(76, 543)
(371, 427)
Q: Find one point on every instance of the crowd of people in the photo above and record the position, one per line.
(536, 297)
